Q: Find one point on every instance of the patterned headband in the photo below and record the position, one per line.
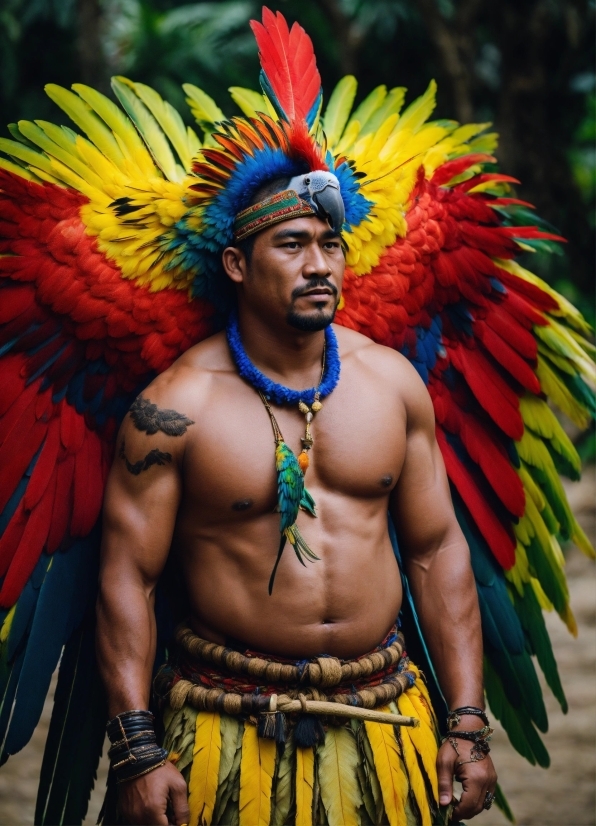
(279, 207)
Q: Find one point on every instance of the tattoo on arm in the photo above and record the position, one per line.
(154, 457)
(149, 418)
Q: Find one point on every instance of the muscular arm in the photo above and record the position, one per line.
(437, 562)
(142, 498)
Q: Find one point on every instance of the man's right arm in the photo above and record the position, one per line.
(141, 502)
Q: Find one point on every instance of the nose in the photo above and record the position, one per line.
(316, 264)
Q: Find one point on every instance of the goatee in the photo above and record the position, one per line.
(310, 323)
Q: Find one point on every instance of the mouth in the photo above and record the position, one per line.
(319, 291)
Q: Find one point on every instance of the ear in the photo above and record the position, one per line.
(234, 263)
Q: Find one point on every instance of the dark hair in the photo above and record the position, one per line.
(267, 189)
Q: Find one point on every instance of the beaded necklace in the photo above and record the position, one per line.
(291, 492)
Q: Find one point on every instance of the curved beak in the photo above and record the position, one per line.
(329, 203)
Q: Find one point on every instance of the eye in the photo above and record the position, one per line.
(307, 181)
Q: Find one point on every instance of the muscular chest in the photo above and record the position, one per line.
(359, 446)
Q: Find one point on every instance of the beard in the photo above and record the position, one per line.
(314, 320)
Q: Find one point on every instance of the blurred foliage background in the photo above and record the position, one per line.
(525, 65)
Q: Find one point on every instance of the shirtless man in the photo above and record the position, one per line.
(211, 495)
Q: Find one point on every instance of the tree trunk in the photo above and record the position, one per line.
(92, 64)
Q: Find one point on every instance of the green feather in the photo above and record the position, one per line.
(18, 136)
(169, 120)
(390, 106)
(205, 110)
(249, 101)
(522, 734)
(284, 785)
(307, 503)
(76, 735)
(83, 115)
(532, 620)
(67, 156)
(369, 106)
(339, 107)
(547, 575)
(113, 116)
(503, 805)
(148, 127)
(229, 766)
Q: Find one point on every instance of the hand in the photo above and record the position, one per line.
(476, 778)
(149, 799)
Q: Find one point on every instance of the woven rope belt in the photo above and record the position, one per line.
(304, 689)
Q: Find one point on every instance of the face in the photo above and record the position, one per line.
(295, 273)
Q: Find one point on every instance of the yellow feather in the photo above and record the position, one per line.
(81, 113)
(388, 766)
(415, 776)
(338, 761)
(169, 120)
(422, 737)
(7, 624)
(257, 767)
(339, 107)
(554, 387)
(19, 170)
(204, 773)
(305, 779)
(249, 101)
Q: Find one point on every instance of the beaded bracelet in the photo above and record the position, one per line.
(454, 717)
(480, 739)
(134, 750)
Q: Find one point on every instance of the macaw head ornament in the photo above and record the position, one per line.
(248, 152)
(313, 194)
(322, 191)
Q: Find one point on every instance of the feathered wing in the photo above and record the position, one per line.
(432, 272)
(95, 288)
(105, 236)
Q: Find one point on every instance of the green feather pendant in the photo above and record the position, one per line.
(291, 496)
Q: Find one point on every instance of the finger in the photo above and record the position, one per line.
(445, 765)
(472, 799)
(179, 803)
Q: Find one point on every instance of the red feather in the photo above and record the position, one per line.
(29, 549)
(492, 391)
(59, 529)
(483, 448)
(44, 467)
(444, 173)
(498, 538)
(11, 537)
(288, 61)
(507, 357)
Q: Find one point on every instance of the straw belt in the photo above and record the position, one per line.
(320, 673)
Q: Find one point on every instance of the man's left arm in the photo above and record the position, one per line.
(437, 562)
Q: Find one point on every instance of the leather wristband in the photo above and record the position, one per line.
(454, 717)
(134, 750)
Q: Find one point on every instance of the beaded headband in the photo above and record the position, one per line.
(279, 207)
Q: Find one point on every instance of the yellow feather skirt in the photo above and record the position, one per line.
(363, 773)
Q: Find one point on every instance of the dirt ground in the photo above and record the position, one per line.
(564, 795)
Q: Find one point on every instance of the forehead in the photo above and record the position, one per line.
(313, 227)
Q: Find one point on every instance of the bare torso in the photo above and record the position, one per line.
(227, 531)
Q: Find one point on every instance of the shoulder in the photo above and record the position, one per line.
(389, 368)
(185, 386)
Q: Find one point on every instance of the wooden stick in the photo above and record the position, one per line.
(287, 705)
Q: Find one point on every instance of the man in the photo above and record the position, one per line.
(195, 478)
